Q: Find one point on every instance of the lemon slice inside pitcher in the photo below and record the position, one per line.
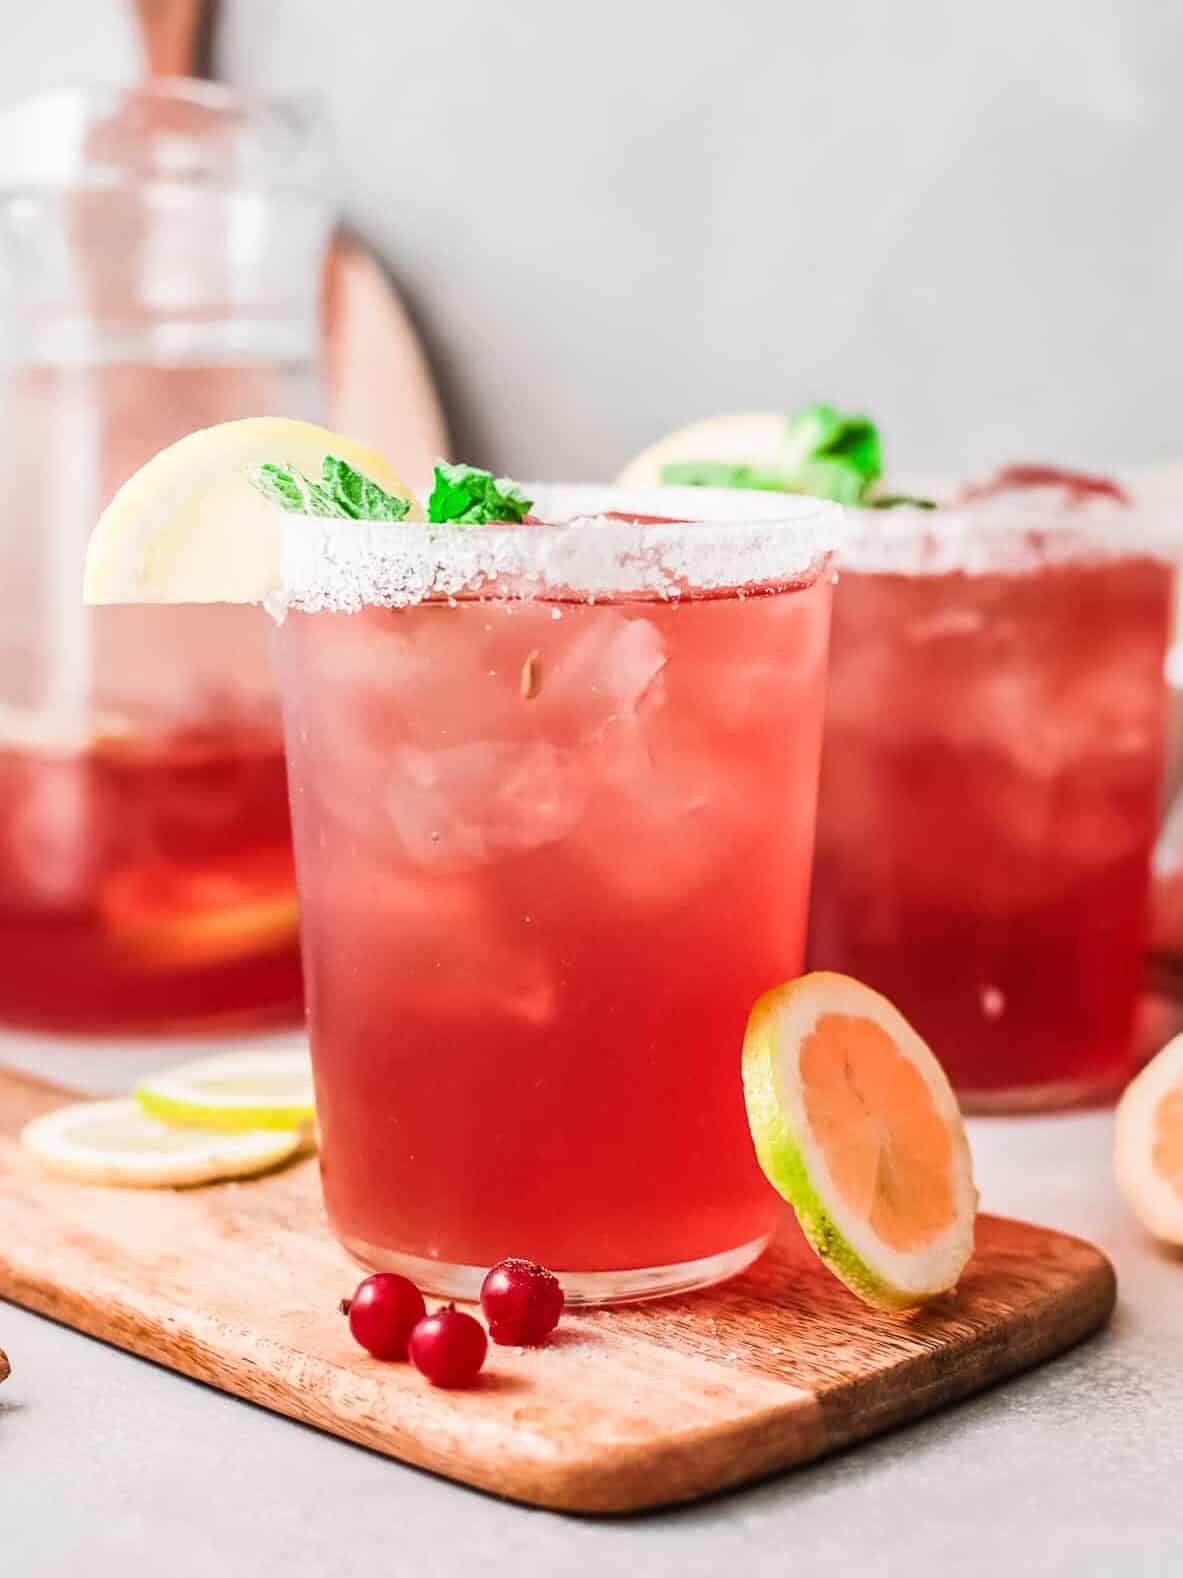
(856, 1125)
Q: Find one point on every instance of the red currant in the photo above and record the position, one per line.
(383, 1312)
(522, 1303)
(449, 1347)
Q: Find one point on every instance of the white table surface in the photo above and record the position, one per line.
(107, 1461)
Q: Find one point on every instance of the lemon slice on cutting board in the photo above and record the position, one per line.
(1148, 1150)
(189, 528)
(856, 1125)
(118, 1143)
(233, 1091)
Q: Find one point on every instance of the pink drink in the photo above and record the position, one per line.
(550, 850)
(146, 881)
(990, 791)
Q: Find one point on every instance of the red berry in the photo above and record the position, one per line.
(522, 1303)
(383, 1312)
(449, 1347)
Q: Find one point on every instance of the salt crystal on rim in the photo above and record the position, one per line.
(725, 540)
(1009, 534)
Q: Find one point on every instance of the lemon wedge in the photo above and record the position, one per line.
(118, 1143)
(188, 527)
(856, 1125)
(233, 1091)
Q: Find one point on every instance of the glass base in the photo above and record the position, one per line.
(1060, 1096)
(579, 1287)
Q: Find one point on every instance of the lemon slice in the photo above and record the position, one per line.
(234, 1091)
(739, 438)
(855, 1124)
(116, 1142)
(189, 528)
(1149, 1144)
(171, 916)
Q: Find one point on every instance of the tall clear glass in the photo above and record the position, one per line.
(160, 257)
(553, 793)
(990, 786)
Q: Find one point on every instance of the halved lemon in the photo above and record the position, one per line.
(189, 528)
(856, 1125)
(117, 1143)
(1149, 1144)
(738, 438)
(235, 1090)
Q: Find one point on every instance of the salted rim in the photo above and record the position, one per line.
(993, 538)
(731, 540)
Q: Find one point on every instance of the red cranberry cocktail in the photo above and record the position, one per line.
(990, 781)
(553, 792)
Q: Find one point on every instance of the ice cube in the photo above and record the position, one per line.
(456, 808)
(667, 810)
(605, 670)
(49, 831)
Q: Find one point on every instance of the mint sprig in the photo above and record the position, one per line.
(341, 493)
(461, 495)
(825, 452)
(466, 496)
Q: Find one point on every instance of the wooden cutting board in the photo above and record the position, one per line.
(238, 1284)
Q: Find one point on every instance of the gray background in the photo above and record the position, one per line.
(612, 216)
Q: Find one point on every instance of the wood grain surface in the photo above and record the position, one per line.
(634, 1407)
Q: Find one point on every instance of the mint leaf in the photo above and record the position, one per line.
(341, 493)
(466, 496)
(291, 490)
(822, 432)
(832, 477)
(719, 474)
(891, 501)
(357, 496)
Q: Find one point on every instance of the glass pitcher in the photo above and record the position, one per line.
(160, 260)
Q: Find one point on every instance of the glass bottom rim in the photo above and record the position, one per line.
(1052, 1096)
(452, 1280)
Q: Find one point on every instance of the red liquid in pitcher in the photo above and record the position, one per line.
(146, 882)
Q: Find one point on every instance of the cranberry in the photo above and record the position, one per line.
(449, 1347)
(522, 1302)
(383, 1312)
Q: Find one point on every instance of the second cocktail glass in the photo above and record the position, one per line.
(990, 785)
(553, 792)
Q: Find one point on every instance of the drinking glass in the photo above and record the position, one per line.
(553, 792)
(990, 787)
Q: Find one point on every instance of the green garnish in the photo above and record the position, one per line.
(341, 492)
(461, 496)
(720, 474)
(821, 433)
(466, 496)
(891, 501)
(825, 453)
